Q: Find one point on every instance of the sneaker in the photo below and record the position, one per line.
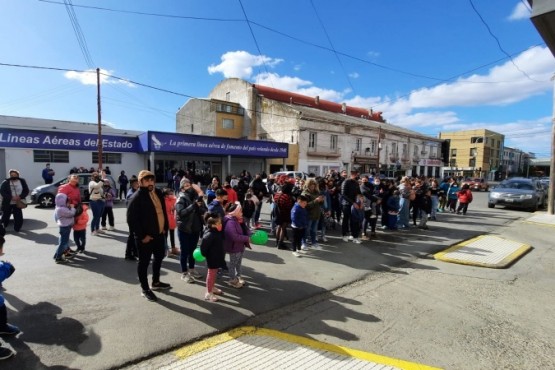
(160, 286)
(365, 237)
(111, 228)
(210, 297)
(94, 233)
(351, 237)
(69, 255)
(195, 274)
(324, 239)
(235, 283)
(186, 277)
(9, 330)
(81, 251)
(356, 241)
(217, 291)
(243, 282)
(345, 239)
(61, 260)
(305, 247)
(104, 228)
(316, 247)
(6, 353)
(101, 231)
(296, 254)
(149, 295)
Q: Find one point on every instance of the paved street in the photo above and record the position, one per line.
(387, 297)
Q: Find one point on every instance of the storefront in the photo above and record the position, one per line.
(27, 144)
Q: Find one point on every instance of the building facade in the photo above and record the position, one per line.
(474, 153)
(322, 135)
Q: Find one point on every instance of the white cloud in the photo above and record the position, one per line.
(240, 64)
(88, 77)
(373, 54)
(354, 75)
(297, 85)
(504, 84)
(435, 109)
(520, 11)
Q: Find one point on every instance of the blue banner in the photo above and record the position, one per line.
(66, 140)
(195, 144)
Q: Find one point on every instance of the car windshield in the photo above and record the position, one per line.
(517, 185)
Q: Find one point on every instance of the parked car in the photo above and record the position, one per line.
(477, 184)
(518, 192)
(44, 195)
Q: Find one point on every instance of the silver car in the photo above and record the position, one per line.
(44, 195)
(518, 192)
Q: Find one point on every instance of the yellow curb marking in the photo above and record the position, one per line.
(442, 256)
(203, 345)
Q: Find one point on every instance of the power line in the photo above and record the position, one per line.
(499, 43)
(331, 45)
(81, 40)
(255, 41)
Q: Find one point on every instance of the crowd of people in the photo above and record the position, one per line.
(220, 219)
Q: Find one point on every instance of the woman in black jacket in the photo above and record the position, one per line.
(13, 190)
(189, 211)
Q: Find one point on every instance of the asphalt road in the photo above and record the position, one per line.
(386, 296)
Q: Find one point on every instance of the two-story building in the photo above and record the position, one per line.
(322, 135)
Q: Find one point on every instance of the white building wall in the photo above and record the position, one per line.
(22, 160)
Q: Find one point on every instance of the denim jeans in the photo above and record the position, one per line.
(63, 242)
(310, 232)
(435, 204)
(187, 244)
(404, 213)
(97, 207)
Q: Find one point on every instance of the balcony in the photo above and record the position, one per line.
(321, 151)
(365, 157)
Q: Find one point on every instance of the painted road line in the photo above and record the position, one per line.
(485, 251)
(258, 348)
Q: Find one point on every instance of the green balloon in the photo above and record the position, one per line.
(197, 255)
(260, 237)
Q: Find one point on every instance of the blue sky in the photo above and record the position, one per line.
(429, 66)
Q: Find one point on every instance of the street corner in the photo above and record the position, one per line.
(541, 218)
(484, 251)
(260, 348)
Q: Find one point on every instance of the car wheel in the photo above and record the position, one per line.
(491, 205)
(46, 200)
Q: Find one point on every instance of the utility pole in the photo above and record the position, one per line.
(551, 192)
(99, 119)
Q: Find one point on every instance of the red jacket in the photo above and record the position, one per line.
(82, 220)
(170, 211)
(73, 193)
(465, 196)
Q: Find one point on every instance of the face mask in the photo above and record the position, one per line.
(224, 202)
(219, 227)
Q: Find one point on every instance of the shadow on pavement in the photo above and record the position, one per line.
(41, 323)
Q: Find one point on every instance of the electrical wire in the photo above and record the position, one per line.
(331, 45)
(499, 43)
(81, 40)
